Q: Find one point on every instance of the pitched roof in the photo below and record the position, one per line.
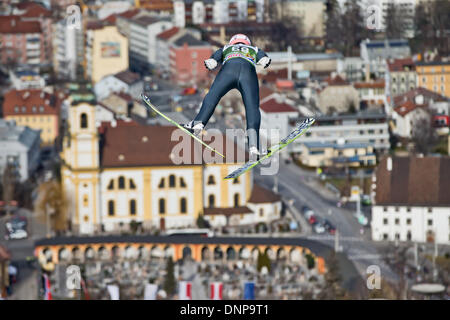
(129, 13)
(272, 106)
(336, 81)
(14, 24)
(30, 98)
(226, 211)
(168, 33)
(263, 195)
(190, 41)
(412, 94)
(409, 184)
(130, 144)
(377, 84)
(145, 20)
(128, 77)
(405, 108)
(400, 64)
(273, 76)
(36, 10)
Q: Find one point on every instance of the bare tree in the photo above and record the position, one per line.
(9, 180)
(424, 137)
(53, 200)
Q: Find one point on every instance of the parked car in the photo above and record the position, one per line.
(312, 219)
(17, 234)
(307, 212)
(16, 228)
(329, 227)
(189, 91)
(318, 227)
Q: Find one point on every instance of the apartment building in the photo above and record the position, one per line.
(362, 128)
(106, 50)
(400, 77)
(143, 32)
(36, 109)
(434, 76)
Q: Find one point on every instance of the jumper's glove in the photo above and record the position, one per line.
(210, 64)
(264, 61)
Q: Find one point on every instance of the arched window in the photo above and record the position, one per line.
(132, 207)
(211, 180)
(261, 212)
(121, 182)
(182, 183)
(162, 206)
(111, 207)
(236, 199)
(211, 201)
(83, 121)
(171, 181)
(162, 183)
(111, 185)
(183, 205)
(236, 180)
(132, 185)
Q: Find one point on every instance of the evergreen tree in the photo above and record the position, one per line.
(169, 281)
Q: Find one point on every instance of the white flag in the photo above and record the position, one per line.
(113, 291)
(150, 291)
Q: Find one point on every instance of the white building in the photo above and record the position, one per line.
(408, 116)
(26, 79)
(369, 128)
(124, 81)
(68, 49)
(276, 111)
(410, 203)
(142, 42)
(374, 54)
(20, 147)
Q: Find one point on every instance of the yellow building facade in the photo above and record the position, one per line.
(123, 172)
(434, 76)
(106, 51)
(35, 109)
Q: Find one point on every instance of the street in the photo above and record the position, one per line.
(300, 185)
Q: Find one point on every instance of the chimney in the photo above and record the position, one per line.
(222, 34)
(26, 95)
(389, 164)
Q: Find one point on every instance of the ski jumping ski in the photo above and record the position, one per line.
(153, 108)
(297, 132)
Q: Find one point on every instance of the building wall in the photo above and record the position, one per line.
(103, 64)
(319, 157)
(48, 124)
(435, 78)
(311, 13)
(187, 63)
(339, 97)
(376, 134)
(404, 126)
(394, 222)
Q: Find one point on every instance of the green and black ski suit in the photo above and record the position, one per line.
(238, 71)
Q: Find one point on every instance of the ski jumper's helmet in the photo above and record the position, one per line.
(240, 38)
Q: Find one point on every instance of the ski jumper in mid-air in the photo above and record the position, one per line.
(239, 59)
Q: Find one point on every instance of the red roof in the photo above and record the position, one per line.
(168, 33)
(360, 85)
(226, 211)
(405, 108)
(273, 106)
(36, 11)
(400, 64)
(336, 81)
(30, 98)
(273, 76)
(284, 84)
(129, 14)
(129, 144)
(263, 195)
(14, 24)
(412, 94)
(111, 19)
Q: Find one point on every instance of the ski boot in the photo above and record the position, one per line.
(196, 129)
